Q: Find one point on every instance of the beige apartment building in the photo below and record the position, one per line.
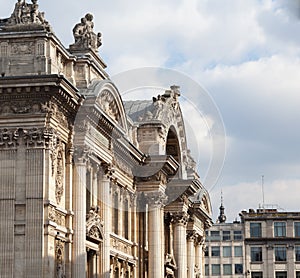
(90, 185)
(268, 244)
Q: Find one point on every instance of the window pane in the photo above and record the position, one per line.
(280, 253)
(256, 274)
(238, 251)
(237, 235)
(256, 254)
(227, 269)
(297, 229)
(206, 251)
(215, 251)
(255, 229)
(206, 270)
(297, 253)
(215, 269)
(238, 269)
(281, 274)
(226, 235)
(227, 251)
(297, 274)
(279, 229)
(215, 235)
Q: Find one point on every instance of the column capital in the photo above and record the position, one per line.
(180, 218)
(81, 154)
(156, 199)
(191, 235)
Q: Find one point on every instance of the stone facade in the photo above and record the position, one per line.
(90, 186)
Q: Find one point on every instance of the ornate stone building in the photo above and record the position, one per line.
(90, 186)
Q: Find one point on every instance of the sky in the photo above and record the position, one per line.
(245, 56)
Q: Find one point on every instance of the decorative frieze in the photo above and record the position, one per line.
(56, 216)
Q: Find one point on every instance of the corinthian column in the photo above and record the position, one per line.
(156, 234)
(106, 207)
(79, 222)
(180, 247)
(191, 254)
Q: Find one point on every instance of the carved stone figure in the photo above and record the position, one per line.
(26, 16)
(84, 35)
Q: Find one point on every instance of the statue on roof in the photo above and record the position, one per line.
(27, 15)
(84, 34)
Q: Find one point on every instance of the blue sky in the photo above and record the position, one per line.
(246, 54)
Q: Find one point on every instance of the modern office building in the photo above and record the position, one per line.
(265, 243)
(90, 186)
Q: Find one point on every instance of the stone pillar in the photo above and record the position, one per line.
(95, 186)
(7, 212)
(106, 207)
(191, 254)
(79, 222)
(34, 211)
(155, 234)
(199, 255)
(180, 247)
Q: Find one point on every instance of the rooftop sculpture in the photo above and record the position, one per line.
(26, 16)
(84, 34)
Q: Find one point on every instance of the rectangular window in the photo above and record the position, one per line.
(238, 251)
(227, 269)
(280, 253)
(255, 229)
(215, 251)
(226, 235)
(206, 254)
(238, 269)
(297, 253)
(206, 269)
(237, 235)
(256, 254)
(227, 251)
(280, 274)
(256, 274)
(279, 229)
(215, 235)
(297, 274)
(215, 269)
(297, 229)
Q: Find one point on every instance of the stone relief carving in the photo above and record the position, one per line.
(94, 224)
(56, 216)
(59, 178)
(84, 35)
(25, 15)
(108, 104)
(59, 259)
